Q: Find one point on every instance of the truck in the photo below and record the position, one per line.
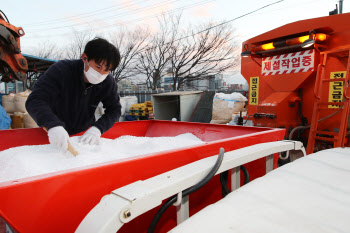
(298, 76)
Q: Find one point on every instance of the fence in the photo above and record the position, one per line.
(143, 96)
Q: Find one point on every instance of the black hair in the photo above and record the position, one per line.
(101, 50)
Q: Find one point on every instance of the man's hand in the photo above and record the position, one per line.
(92, 136)
(58, 137)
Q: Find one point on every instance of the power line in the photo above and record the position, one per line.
(82, 15)
(209, 28)
(111, 17)
(229, 20)
(131, 21)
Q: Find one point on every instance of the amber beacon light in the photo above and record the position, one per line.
(305, 42)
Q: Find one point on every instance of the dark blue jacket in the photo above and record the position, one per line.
(60, 97)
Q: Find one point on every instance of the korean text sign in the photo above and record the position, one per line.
(254, 91)
(336, 88)
(288, 63)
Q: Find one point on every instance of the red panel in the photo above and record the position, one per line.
(58, 202)
(206, 132)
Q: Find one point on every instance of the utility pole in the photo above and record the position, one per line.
(340, 6)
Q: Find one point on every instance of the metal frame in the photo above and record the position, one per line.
(126, 203)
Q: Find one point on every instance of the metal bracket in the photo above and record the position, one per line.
(9, 38)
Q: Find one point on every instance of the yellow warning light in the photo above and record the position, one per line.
(303, 38)
(321, 37)
(268, 46)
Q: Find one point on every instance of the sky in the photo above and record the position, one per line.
(56, 21)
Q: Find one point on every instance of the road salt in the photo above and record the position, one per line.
(27, 161)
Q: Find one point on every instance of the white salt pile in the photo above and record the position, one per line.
(26, 161)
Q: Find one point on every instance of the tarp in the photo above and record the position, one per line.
(5, 120)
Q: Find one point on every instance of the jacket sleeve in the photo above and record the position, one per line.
(45, 91)
(113, 109)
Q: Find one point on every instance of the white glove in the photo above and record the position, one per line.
(58, 137)
(92, 136)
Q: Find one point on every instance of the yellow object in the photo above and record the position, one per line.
(17, 121)
(336, 88)
(293, 41)
(268, 46)
(303, 38)
(254, 91)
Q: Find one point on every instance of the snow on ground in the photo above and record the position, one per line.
(26, 161)
(310, 195)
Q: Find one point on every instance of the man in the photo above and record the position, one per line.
(65, 97)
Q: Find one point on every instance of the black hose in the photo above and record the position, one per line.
(186, 192)
(246, 174)
(224, 179)
(5, 16)
(247, 119)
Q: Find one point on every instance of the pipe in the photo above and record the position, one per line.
(304, 127)
(186, 192)
(340, 6)
(247, 119)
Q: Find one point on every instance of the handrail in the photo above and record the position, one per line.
(130, 201)
(317, 84)
(346, 82)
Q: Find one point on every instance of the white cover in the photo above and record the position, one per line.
(311, 194)
(123, 104)
(130, 100)
(224, 105)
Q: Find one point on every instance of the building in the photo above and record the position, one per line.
(209, 82)
(139, 87)
(125, 85)
(166, 82)
(236, 86)
(142, 87)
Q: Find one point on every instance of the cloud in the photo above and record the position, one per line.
(129, 5)
(203, 11)
(142, 14)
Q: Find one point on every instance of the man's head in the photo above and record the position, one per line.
(102, 57)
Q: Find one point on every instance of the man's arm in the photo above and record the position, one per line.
(113, 110)
(45, 91)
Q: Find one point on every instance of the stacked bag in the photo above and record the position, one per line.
(14, 105)
(100, 110)
(226, 105)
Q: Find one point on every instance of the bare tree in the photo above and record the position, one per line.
(154, 59)
(130, 44)
(186, 54)
(208, 53)
(48, 50)
(76, 47)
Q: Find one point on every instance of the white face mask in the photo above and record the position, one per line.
(93, 76)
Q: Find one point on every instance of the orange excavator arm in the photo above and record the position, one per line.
(13, 66)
